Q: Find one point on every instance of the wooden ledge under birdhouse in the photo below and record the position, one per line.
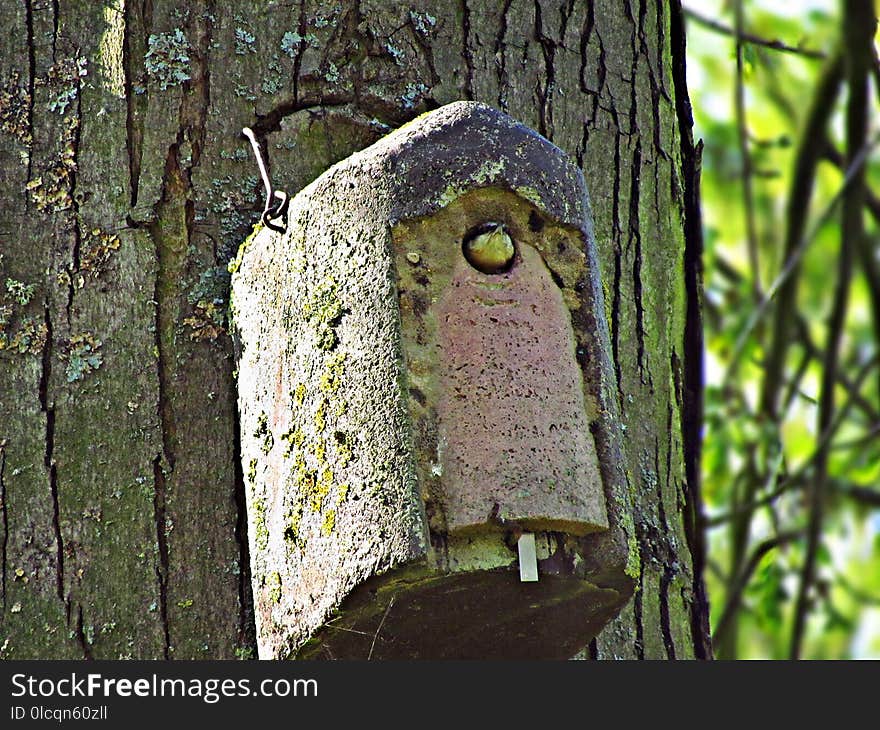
(473, 613)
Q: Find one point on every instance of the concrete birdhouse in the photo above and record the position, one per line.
(428, 428)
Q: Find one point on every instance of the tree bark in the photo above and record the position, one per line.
(126, 187)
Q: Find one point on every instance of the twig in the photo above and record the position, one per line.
(837, 419)
(774, 45)
(848, 385)
(794, 383)
(716, 569)
(830, 153)
(859, 25)
(350, 631)
(716, 311)
(746, 157)
(731, 606)
(803, 177)
(761, 310)
(379, 627)
(866, 249)
(875, 70)
(719, 520)
(797, 476)
(855, 443)
(770, 483)
(857, 492)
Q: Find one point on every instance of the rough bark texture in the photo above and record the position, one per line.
(126, 187)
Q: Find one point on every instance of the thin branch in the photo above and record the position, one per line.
(797, 477)
(740, 532)
(875, 71)
(856, 492)
(852, 387)
(831, 153)
(734, 597)
(761, 310)
(859, 25)
(803, 177)
(716, 570)
(794, 383)
(771, 482)
(350, 631)
(866, 249)
(861, 494)
(774, 45)
(746, 157)
(869, 438)
(379, 627)
(837, 419)
(811, 351)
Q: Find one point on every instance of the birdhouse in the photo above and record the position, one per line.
(429, 434)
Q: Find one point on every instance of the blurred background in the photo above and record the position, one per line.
(789, 116)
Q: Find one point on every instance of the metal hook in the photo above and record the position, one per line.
(271, 211)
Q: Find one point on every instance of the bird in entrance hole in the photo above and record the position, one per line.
(489, 249)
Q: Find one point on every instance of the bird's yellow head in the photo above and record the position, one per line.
(491, 250)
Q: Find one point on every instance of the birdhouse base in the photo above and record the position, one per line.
(419, 613)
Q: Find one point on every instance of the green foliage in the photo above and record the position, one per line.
(765, 447)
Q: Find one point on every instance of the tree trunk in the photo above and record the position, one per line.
(126, 187)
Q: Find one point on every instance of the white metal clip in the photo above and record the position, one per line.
(528, 558)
